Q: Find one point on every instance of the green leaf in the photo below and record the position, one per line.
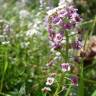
(94, 93)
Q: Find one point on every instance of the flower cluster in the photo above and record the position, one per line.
(62, 24)
(61, 19)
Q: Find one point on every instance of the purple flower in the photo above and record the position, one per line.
(56, 19)
(51, 35)
(77, 45)
(71, 9)
(68, 26)
(63, 13)
(58, 38)
(56, 46)
(65, 67)
(74, 80)
(75, 17)
(50, 30)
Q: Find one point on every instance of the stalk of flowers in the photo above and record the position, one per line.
(61, 22)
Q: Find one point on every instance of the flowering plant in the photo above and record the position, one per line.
(63, 25)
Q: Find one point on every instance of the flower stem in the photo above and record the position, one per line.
(81, 82)
(5, 68)
(67, 46)
(89, 34)
(68, 90)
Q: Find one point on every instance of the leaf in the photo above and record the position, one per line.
(94, 93)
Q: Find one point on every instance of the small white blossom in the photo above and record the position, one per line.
(52, 11)
(58, 53)
(24, 1)
(23, 14)
(46, 89)
(5, 42)
(31, 32)
(65, 2)
(63, 41)
(24, 44)
(50, 81)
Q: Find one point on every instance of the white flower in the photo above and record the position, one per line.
(46, 89)
(31, 32)
(7, 28)
(42, 2)
(24, 1)
(50, 81)
(52, 11)
(58, 53)
(65, 67)
(63, 41)
(23, 14)
(24, 44)
(65, 2)
(5, 42)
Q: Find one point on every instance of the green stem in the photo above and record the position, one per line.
(92, 30)
(89, 34)
(67, 46)
(5, 69)
(3, 94)
(90, 81)
(81, 82)
(45, 94)
(58, 88)
(68, 90)
(86, 22)
(66, 57)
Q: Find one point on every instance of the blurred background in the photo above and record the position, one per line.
(24, 46)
